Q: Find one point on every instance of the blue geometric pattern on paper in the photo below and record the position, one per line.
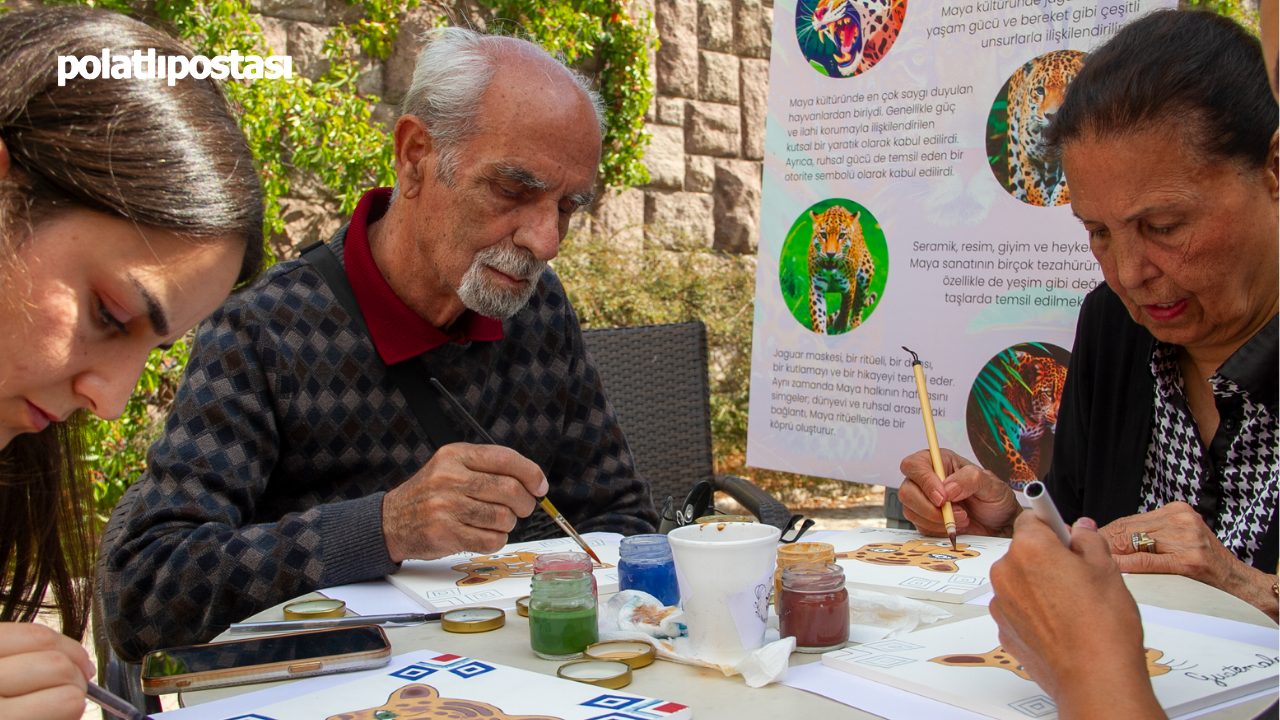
(413, 672)
(1036, 707)
(616, 716)
(612, 702)
(250, 717)
(471, 669)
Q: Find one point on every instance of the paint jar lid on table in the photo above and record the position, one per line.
(522, 606)
(632, 652)
(315, 609)
(612, 674)
(473, 620)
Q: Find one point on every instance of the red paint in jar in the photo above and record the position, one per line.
(813, 607)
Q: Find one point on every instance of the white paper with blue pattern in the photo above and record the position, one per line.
(431, 685)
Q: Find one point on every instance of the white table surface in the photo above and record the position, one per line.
(713, 696)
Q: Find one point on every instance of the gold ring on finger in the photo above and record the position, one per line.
(1144, 543)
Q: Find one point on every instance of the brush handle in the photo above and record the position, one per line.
(543, 501)
(935, 451)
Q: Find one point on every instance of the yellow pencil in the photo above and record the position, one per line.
(935, 453)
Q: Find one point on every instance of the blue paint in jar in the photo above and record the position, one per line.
(645, 563)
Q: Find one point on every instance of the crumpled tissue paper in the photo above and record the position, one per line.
(878, 616)
(635, 615)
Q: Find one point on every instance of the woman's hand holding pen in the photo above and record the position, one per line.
(981, 503)
(42, 674)
(1067, 617)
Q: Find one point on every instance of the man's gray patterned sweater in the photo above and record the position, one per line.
(286, 433)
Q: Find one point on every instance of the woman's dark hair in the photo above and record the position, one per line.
(1191, 68)
(168, 157)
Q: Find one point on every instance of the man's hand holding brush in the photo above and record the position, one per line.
(467, 497)
(982, 505)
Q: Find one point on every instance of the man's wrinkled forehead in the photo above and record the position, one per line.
(527, 85)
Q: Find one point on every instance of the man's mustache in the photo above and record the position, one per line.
(513, 261)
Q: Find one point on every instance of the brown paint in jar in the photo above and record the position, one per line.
(813, 607)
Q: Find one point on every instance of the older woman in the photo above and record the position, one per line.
(128, 210)
(1168, 423)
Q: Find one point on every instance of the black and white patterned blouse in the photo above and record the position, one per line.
(1232, 483)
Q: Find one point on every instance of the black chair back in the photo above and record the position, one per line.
(656, 378)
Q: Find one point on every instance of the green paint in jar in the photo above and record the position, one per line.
(562, 614)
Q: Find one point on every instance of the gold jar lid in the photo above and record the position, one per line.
(612, 674)
(473, 620)
(632, 652)
(522, 606)
(315, 609)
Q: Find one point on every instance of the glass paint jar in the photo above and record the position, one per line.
(813, 607)
(562, 614)
(645, 563)
(801, 552)
(569, 560)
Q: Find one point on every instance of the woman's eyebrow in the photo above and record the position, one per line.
(159, 321)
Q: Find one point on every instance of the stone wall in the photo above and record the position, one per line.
(707, 127)
(706, 121)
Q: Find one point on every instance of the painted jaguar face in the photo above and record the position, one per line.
(929, 555)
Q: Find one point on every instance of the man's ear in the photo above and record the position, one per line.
(414, 155)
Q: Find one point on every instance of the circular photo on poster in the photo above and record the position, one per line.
(843, 38)
(1016, 124)
(833, 267)
(1013, 411)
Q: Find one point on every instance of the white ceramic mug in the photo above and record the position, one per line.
(726, 573)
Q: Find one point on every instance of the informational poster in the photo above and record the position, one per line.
(909, 201)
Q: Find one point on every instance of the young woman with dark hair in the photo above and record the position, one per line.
(129, 209)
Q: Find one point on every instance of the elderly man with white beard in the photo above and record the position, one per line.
(304, 450)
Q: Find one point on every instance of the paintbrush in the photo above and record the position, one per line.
(115, 705)
(543, 501)
(935, 453)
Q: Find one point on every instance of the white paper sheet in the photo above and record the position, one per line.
(893, 704)
(460, 682)
(1210, 625)
(497, 579)
(376, 597)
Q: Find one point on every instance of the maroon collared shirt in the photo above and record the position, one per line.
(397, 331)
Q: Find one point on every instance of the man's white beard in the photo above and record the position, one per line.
(484, 297)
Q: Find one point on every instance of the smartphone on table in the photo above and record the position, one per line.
(280, 657)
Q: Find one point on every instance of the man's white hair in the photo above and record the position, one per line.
(454, 69)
